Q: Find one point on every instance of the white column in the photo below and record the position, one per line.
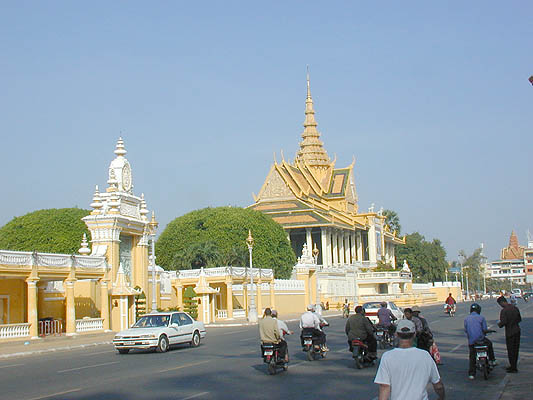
(329, 236)
(353, 249)
(335, 247)
(346, 247)
(359, 246)
(372, 242)
(309, 239)
(324, 250)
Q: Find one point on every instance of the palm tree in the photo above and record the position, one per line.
(392, 220)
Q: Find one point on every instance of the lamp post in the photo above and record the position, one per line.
(153, 224)
(315, 256)
(467, 291)
(252, 312)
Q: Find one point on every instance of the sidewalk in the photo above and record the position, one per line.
(20, 348)
(518, 386)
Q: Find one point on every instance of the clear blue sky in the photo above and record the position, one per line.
(431, 98)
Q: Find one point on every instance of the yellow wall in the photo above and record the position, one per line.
(87, 299)
(442, 293)
(16, 290)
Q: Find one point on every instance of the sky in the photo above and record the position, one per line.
(431, 98)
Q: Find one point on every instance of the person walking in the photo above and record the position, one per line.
(405, 372)
(510, 318)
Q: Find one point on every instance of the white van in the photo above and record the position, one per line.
(517, 293)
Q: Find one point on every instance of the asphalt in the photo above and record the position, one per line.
(228, 366)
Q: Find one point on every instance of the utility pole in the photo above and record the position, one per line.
(467, 291)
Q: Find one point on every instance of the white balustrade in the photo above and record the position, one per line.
(89, 324)
(239, 313)
(14, 330)
(222, 314)
(23, 258)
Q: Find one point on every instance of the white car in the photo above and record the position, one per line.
(159, 331)
(371, 310)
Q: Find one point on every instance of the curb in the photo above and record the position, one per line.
(52, 350)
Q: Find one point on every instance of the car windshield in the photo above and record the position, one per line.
(372, 306)
(152, 321)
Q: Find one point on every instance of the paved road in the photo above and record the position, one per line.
(227, 366)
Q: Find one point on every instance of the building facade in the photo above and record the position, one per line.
(513, 261)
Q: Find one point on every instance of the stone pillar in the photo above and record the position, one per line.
(353, 248)
(372, 249)
(309, 239)
(340, 240)
(324, 250)
(335, 247)
(359, 246)
(33, 318)
(272, 294)
(259, 295)
(229, 298)
(179, 295)
(347, 248)
(70, 314)
(104, 304)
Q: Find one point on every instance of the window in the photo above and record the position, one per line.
(184, 319)
(530, 270)
(175, 319)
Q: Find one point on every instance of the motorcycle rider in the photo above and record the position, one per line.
(386, 318)
(269, 332)
(450, 302)
(425, 337)
(345, 308)
(283, 330)
(359, 326)
(475, 329)
(310, 321)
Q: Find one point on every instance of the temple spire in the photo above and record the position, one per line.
(311, 148)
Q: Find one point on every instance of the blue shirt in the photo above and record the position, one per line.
(475, 327)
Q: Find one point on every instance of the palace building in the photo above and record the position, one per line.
(316, 203)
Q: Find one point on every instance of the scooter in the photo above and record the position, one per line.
(360, 354)
(271, 356)
(482, 358)
(449, 309)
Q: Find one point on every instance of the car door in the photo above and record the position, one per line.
(174, 327)
(186, 325)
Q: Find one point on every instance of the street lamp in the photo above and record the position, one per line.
(152, 225)
(315, 256)
(252, 312)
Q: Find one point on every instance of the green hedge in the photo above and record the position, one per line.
(216, 237)
(49, 231)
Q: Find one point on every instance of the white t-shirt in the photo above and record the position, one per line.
(407, 371)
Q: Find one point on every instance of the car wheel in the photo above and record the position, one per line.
(123, 351)
(162, 346)
(195, 342)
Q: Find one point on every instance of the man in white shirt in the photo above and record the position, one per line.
(310, 321)
(404, 372)
(283, 330)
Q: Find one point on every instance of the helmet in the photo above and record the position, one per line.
(383, 304)
(475, 307)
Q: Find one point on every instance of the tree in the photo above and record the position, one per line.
(190, 303)
(472, 265)
(49, 231)
(182, 243)
(427, 260)
(392, 220)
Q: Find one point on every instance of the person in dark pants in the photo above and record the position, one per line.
(510, 318)
(359, 327)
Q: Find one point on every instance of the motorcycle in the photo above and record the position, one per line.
(360, 354)
(482, 358)
(311, 344)
(383, 337)
(271, 356)
(449, 309)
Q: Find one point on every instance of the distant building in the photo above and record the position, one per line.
(512, 264)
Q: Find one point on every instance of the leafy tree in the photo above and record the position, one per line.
(392, 220)
(50, 231)
(190, 302)
(180, 244)
(472, 265)
(427, 260)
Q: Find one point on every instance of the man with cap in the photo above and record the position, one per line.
(283, 330)
(310, 321)
(425, 336)
(510, 318)
(404, 372)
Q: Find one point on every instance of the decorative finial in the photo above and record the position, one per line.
(308, 84)
(120, 150)
(97, 200)
(84, 250)
(143, 210)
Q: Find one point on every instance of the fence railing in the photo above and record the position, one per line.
(89, 324)
(50, 327)
(14, 330)
(222, 314)
(24, 258)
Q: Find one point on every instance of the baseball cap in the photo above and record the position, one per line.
(415, 309)
(405, 326)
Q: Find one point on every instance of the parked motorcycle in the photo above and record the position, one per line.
(271, 356)
(360, 354)
(482, 358)
(383, 337)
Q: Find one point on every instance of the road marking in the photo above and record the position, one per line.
(456, 347)
(87, 366)
(195, 396)
(10, 365)
(100, 352)
(55, 394)
(247, 340)
(185, 366)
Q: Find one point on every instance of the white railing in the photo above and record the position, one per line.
(385, 275)
(50, 327)
(89, 324)
(239, 313)
(24, 258)
(237, 272)
(14, 330)
(222, 314)
(289, 284)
